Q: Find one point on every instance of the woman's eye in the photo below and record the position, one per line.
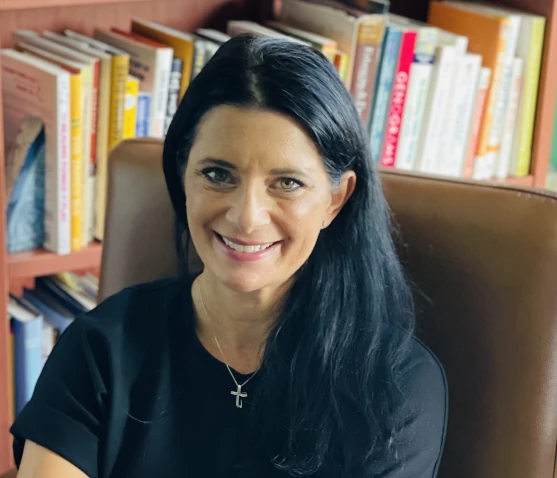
(217, 175)
(289, 184)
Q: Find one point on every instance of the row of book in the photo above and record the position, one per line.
(68, 99)
(37, 319)
(456, 97)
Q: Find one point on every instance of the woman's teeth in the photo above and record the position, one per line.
(240, 248)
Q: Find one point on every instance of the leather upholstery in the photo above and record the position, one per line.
(483, 259)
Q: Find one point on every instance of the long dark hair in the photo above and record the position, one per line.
(332, 369)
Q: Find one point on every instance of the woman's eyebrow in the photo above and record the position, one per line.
(217, 162)
(288, 171)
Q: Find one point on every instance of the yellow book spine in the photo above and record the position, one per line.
(120, 71)
(130, 109)
(342, 64)
(530, 92)
(76, 162)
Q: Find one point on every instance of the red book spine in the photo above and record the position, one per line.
(398, 98)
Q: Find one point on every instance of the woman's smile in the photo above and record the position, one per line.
(245, 251)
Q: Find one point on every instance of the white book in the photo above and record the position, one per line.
(451, 48)
(502, 169)
(152, 65)
(447, 123)
(89, 63)
(31, 86)
(454, 154)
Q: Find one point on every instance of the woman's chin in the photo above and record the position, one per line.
(243, 281)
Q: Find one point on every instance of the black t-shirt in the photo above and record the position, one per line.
(130, 391)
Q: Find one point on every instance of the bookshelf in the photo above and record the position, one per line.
(83, 15)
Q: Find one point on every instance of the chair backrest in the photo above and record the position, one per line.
(484, 259)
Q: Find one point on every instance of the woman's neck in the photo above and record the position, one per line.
(240, 321)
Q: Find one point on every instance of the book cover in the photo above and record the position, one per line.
(24, 177)
(34, 87)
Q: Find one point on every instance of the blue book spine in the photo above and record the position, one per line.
(28, 358)
(387, 68)
(142, 120)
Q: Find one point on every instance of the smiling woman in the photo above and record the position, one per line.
(293, 352)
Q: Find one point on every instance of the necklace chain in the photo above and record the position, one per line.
(220, 348)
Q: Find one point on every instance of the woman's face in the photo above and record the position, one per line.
(257, 196)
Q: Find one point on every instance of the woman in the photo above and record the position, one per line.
(292, 353)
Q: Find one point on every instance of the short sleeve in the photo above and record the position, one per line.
(68, 406)
(422, 437)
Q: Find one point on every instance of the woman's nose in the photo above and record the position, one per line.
(249, 208)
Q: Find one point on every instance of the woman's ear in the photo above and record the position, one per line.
(340, 194)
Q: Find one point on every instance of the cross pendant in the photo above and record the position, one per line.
(239, 395)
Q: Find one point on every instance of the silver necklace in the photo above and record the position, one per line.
(239, 394)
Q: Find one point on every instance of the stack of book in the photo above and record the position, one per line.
(38, 319)
(456, 96)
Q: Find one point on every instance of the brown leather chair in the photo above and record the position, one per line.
(484, 259)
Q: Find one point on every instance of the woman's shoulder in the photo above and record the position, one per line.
(424, 369)
(140, 309)
(426, 394)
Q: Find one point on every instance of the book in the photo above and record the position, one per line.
(54, 313)
(213, 35)
(421, 71)
(150, 62)
(384, 89)
(78, 95)
(143, 114)
(502, 169)
(398, 99)
(27, 326)
(357, 33)
(327, 46)
(182, 43)
(173, 92)
(464, 100)
(24, 186)
(488, 35)
(433, 135)
(34, 87)
(130, 108)
(240, 27)
(474, 132)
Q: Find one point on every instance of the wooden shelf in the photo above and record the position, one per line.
(27, 4)
(36, 263)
